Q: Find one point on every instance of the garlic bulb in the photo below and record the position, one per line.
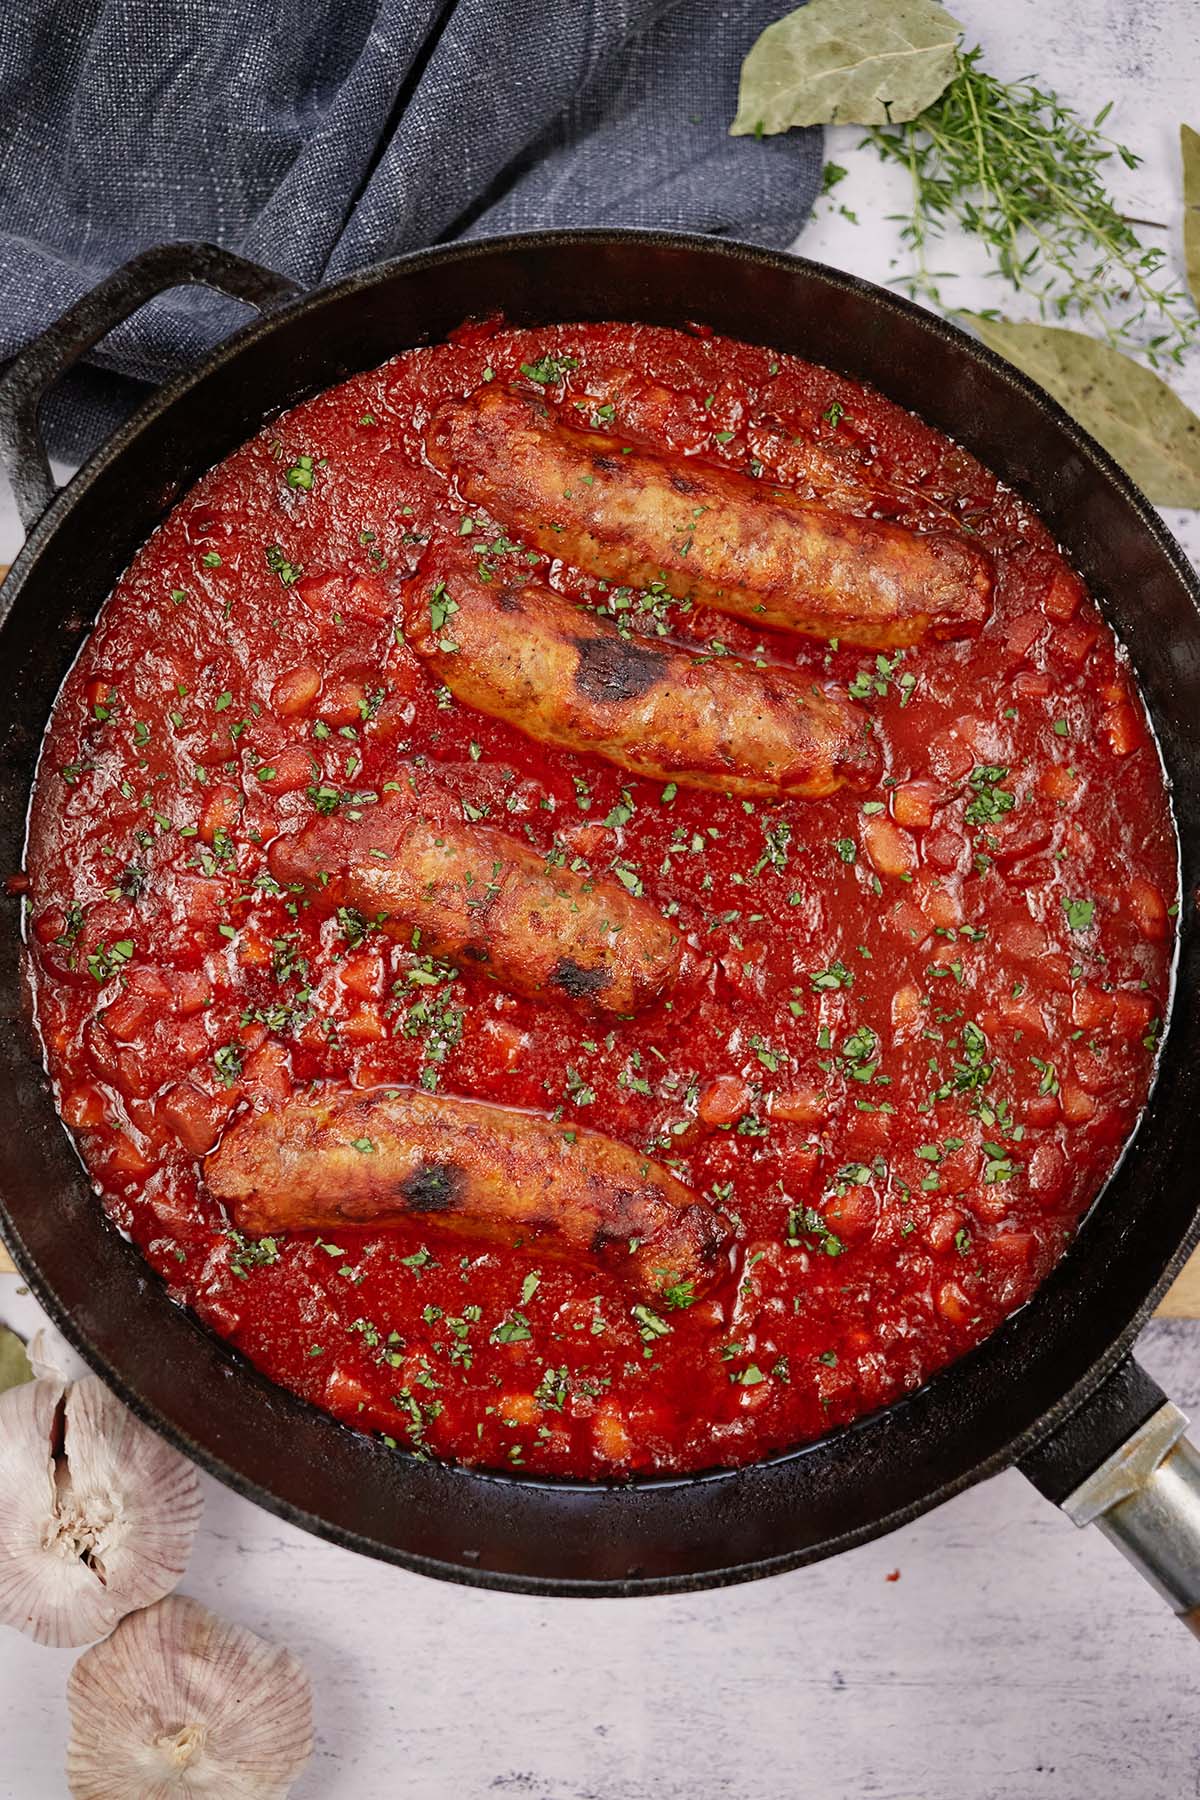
(52, 1358)
(97, 1514)
(179, 1702)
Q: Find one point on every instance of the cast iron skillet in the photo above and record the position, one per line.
(1053, 1389)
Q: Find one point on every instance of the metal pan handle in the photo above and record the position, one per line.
(1121, 1461)
(41, 363)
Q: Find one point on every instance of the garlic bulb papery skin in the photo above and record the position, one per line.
(178, 1702)
(52, 1358)
(97, 1514)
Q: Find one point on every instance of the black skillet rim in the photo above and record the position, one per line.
(1014, 1443)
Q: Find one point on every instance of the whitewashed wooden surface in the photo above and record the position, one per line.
(1014, 1659)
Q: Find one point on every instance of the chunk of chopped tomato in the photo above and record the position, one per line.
(222, 809)
(891, 850)
(724, 1101)
(195, 1116)
(913, 803)
(296, 689)
(289, 769)
(1148, 909)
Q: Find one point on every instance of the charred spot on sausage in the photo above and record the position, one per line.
(578, 982)
(611, 670)
(626, 1219)
(433, 1188)
(707, 1232)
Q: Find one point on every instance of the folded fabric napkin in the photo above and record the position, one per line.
(319, 135)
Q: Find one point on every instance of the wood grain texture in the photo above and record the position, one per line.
(989, 1651)
(1183, 1300)
(1015, 1658)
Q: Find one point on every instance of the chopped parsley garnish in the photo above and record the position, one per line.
(775, 852)
(621, 813)
(860, 1050)
(750, 1376)
(354, 928)
(768, 1057)
(991, 801)
(512, 1330)
(578, 1089)
(552, 1390)
(650, 1324)
(999, 1165)
(288, 572)
(326, 799)
(887, 672)
(106, 961)
(1049, 1082)
(227, 1061)
(430, 1014)
(1080, 913)
(805, 1223)
(441, 609)
(677, 1295)
(837, 975)
(251, 1253)
(131, 882)
(549, 369)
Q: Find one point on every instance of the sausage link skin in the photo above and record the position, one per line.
(707, 534)
(484, 900)
(378, 1157)
(567, 677)
(840, 476)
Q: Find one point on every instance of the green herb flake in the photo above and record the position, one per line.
(549, 370)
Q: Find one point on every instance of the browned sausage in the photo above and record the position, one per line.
(706, 533)
(839, 475)
(485, 900)
(568, 677)
(345, 1156)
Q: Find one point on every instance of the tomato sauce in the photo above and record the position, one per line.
(922, 1021)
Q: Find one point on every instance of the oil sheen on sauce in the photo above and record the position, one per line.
(915, 1027)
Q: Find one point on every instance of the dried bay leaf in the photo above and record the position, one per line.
(1189, 144)
(847, 62)
(1130, 409)
(14, 1364)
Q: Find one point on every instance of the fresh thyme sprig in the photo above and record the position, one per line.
(1010, 164)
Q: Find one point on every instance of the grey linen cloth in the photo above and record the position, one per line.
(316, 136)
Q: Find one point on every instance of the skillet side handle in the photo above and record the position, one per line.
(36, 368)
(1121, 1461)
